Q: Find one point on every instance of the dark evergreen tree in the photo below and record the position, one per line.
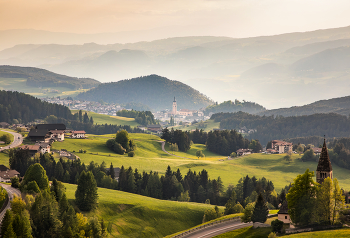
(86, 194)
(260, 210)
(111, 171)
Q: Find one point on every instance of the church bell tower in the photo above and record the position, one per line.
(174, 107)
(324, 167)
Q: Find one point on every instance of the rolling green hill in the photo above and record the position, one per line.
(154, 91)
(149, 156)
(134, 215)
(41, 83)
(102, 119)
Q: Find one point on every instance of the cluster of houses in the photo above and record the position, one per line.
(101, 108)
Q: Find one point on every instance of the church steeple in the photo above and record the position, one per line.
(324, 167)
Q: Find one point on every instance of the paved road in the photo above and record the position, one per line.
(218, 229)
(18, 139)
(11, 192)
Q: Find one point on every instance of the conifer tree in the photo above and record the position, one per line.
(6, 222)
(111, 171)
(86, 194)
(260, 210)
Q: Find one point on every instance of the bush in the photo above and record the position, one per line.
(233, 154)
(272, 235)
(238, 208)
(6, 138)
(209, 215)
(15, 182)
(174, 147)
(277, 225)
(131, 154)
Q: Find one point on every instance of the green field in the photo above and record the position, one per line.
(115, 120)
(339, 233)
(149, 156)
(134, 215)
(209, 125)
(19, 85)
(2, 133)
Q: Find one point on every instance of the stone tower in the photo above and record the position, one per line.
(324, 167)
(174, 107)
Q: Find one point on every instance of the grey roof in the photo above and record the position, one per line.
(51, 126)
(3, 167)
(38, 132)
(284, 208)
(8, 174)
(324, 163)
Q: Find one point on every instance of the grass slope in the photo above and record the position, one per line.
(149, 156)
(19, 84)
(102, 119)
(209, 125)
(134, 215)
(339, 233)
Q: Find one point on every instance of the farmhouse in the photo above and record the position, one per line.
(39, 135)
(6, 174)
(116, 172)
(33, 149)
(241, 152)
(4, 125)
(57, 134)
(154, 128)
(281, 146)
(78, 134)
(317, 151)
(50, 127)
(44, 147)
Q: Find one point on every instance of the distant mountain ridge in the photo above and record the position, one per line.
(43, 78)
(154, 91)
(335, 105)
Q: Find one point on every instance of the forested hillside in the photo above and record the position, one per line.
(26, 108)
(154, 91)
(336, 105)
(236, 106)
(43, 78)
(272, 128)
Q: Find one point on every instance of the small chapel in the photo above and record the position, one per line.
(323, 171)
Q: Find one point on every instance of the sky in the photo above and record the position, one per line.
(234, 18)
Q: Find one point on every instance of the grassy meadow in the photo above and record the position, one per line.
(247, 232)
(114, 120)
(209, 125)
(134, 215)
(149, 156)
(19, 84)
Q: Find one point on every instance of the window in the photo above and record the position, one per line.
(285, 217)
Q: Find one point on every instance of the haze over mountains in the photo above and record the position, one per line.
(274, 71)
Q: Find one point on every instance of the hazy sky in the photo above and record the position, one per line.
(236, 18)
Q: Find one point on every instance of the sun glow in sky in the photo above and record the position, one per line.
(235, 18)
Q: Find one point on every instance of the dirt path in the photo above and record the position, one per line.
(163, 149)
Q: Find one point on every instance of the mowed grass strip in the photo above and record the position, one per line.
(102, 119)
(134, 215)
(149, 156)
(338, 233)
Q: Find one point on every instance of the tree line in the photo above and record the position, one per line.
(236, 106)
(46, 212)
(143, 118)
(279, 127)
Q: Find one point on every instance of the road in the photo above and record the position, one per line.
(218, 229)
(10, 191)
(17, 140)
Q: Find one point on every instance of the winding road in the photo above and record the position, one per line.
(17, 140)
(218, 229)
(11, 192)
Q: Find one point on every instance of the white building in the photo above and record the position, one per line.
(78, 134)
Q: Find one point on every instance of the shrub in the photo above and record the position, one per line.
(131, 154)
(277, 225)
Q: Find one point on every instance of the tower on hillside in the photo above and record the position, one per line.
(324, 167)
(174, 107)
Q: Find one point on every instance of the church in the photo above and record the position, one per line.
(323, 171)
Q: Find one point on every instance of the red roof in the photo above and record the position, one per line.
(78, 132)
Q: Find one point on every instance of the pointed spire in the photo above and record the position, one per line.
(324, 163)
(174, 99)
